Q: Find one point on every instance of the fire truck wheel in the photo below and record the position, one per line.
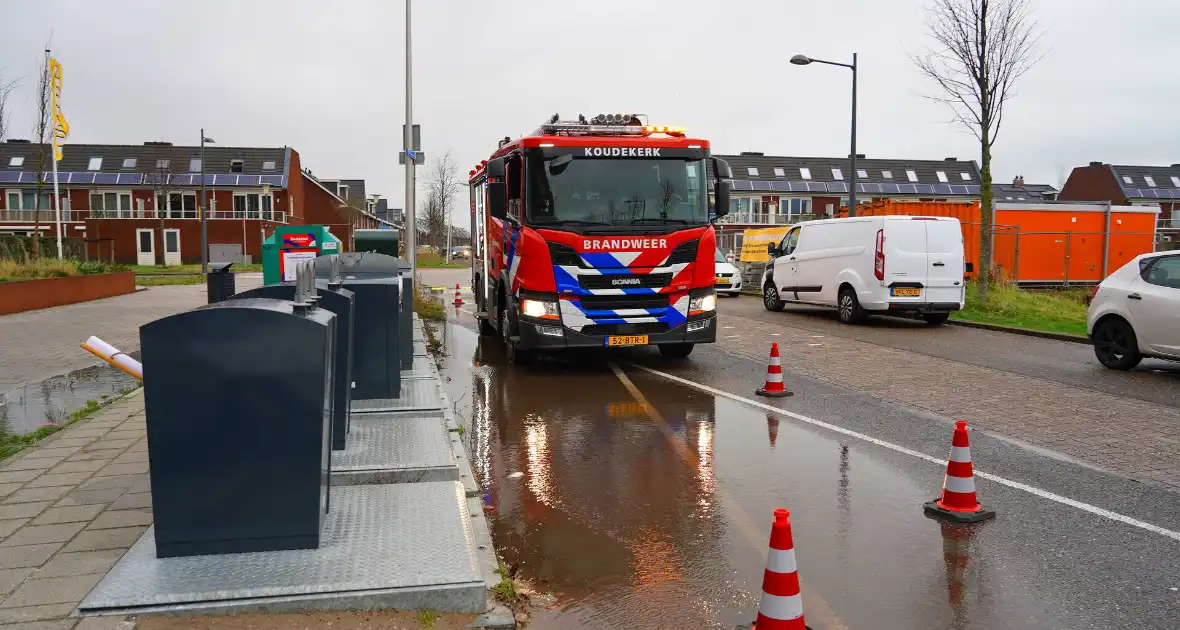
(676, 350)
(514, 354)
(485, 327)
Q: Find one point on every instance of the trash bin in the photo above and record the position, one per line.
(219, 282)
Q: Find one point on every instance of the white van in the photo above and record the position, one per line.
(863, 265)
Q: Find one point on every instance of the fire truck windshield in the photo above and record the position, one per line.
(615, 192)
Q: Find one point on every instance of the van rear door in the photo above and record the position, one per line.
(905, 260)
(944, 242)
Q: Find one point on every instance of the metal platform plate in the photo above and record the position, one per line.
(418, 395)
(405, 546)
(395, 449)
(420, 349)
(423, 368)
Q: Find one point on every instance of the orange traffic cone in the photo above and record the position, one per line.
(458, 298)
(774, 377)
(781, 607)
(958, 502)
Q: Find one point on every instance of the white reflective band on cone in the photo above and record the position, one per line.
(781, 608)
(775, 361)
(781, 561)
(960, 454)
(960, 484)
(774, 378)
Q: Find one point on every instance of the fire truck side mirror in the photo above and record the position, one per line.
(721, 198)
(496, 169)
(497, 189)
(721, 169)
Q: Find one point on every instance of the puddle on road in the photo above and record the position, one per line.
(33, 405)
(588, 501)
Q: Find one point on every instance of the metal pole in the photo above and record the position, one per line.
(1106, 245)
(852, 158)
(204, 211)
(1016, 264)
(1068, 242)
(447, 212)
(411, 220)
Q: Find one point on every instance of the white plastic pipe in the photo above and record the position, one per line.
(112, 355)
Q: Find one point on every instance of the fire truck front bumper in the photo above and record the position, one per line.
(550, 335)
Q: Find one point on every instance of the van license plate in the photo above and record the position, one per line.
(905, 292)
(626, 340)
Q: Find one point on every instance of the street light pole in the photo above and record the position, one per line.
(411, 219)
(803, 60)
(204, 208)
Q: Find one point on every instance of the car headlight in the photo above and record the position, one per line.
(539, 309)
(702, 304)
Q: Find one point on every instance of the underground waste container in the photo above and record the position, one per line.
(375, 282)
(238, 426)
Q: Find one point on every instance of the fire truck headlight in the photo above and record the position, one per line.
(702, 304)
(539, 309)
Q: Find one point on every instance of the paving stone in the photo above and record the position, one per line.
(52, 450)
(26, 463)
(55, 624)
(8, 488)
(105, 623)
(106, 444)
(70, 440)
(93, 466)
(11, 525)
(29, 495)
(121, 518)
(131, 457)
(51, 478)
(69, 514)
(106, 483)
(31, 614)
(122, 469)
(90, 497)
(55, 590)
(42, 534)
(26, 556)
(80, 563)
(98, 539)
(139, 500)
(91, 456)
(12, 578)
(120, 433)
(22, 510)
(17, 476)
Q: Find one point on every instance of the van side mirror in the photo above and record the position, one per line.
(721, 198)
(772, 249)
(497, 168)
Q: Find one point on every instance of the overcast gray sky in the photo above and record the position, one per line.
(327, 77)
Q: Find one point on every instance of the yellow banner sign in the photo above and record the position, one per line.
(754, 242)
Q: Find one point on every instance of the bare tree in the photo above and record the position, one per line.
(43, 130)
(163, 183)
(442, 188)
(981, 48)
(6, 89)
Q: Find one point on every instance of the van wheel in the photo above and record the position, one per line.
(850, 309)
(1115, 344)
(936, 319)
(675, 350)
(770, 298)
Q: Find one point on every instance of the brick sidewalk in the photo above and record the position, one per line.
(72, 506)
(44, 343)
(1131, 437)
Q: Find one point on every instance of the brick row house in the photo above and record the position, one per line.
(139, 204)
(1125, 185)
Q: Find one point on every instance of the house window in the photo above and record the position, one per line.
(253, 206)
(95, 164)
(342, 191)
(911, 175)
(887, 174)
(752, 170)
(794, 207)
(163, 163)
(1127, 179)
(862, 174)
(235, 166)
(836, 174)
(1176, 181)
(17, 160)
(26, 201)
(180, 205)
(110, 204)
(130, 162)
(941, 176)
(805, 173)
(965, 176)
(194, 165)
(268, 165)
(778, 172)
(1149, 180)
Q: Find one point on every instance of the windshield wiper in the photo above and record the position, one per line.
(655, 220)
(572, 222)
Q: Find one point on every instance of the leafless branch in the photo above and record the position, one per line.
(442, 188)
(6, 88)
(43, 131)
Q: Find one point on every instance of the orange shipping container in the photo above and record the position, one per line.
(1044, 242)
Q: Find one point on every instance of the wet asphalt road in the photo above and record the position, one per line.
(1061, 362)
(631, 526)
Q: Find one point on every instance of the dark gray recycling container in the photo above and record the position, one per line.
(406, 323)
(339, 301)
(375, 281)
(220, 282)
(238, 421)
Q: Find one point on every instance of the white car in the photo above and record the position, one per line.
(1135, 313)
(729, 279)
(896, 265)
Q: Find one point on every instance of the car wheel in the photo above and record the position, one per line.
(771, 299)
(849, 307)
(1115, 344)
(675, 350)
(936, 319)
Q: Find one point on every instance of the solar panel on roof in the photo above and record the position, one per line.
(1172, 193)
(924, 189)
(272, 180)
(798, 186)
(741, 184)
(780, 186)
(973, 189)
(959, 189)
(81, 178)
(225, 180)
(907, 189)
(890, 189)
(871, 188)
(9, 177)
(816, 187)
(27, 177)
(130, 179)
(250, 180)
(942, 189)
(108, 179)
(758, 185)
(837, 187)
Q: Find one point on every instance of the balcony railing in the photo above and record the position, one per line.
(46, 216)
(765, 218)
(215, 215)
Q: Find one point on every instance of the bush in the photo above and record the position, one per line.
(53, 268)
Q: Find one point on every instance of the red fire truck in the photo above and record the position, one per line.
(597, 233)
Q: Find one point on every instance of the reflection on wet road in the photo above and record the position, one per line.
(634, 524)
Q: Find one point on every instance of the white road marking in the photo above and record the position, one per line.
(815, 344)
(1044, 494)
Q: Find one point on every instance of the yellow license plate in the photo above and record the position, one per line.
(626, 410)
(722, 280)
(626, 340)
(906, 292)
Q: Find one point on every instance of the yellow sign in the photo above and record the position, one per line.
(61, 128)
(755, 240)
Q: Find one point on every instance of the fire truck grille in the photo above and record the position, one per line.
(627, 281)
(647, 328)
(617, 302)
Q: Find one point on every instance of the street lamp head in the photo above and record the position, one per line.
(800, 60)
(207, 140)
